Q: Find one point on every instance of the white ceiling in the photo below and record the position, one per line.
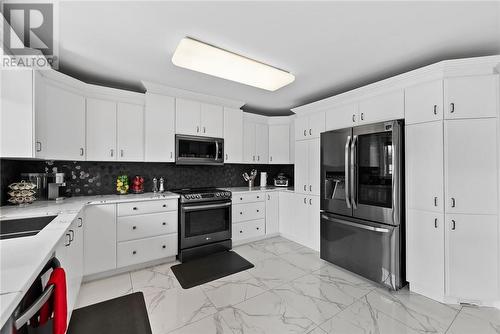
(330, 47)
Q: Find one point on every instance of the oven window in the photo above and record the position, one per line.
(197, 149)
(375, 169)
(206, 221)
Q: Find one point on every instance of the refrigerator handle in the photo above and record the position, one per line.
(346, 180)
(396, 171)
(353, 171)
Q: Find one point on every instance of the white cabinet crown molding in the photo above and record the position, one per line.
(190, 95)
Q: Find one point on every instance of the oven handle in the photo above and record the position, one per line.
(205, 206)
(365, 227)
(34, 308)
(216, 150)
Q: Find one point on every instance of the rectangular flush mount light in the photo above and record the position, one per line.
(201, 57)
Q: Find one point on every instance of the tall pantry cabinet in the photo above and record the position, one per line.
(452, 188)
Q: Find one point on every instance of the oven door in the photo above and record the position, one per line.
(192, 150)
(204, 223)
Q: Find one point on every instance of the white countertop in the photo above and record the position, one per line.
(21, 259)
(261, 189)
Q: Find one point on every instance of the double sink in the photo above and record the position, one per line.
(23, 227)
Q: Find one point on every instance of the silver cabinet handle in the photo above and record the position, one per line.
(453, 225)
(353, 118)
(362, 116)
(310, 132)
(310, 201)
(310, 188)
(121, 153)
(254, 158)
(258, 197)
(268, 197)
(71, 235)
(258, 158)
(38, 146)
(305, 133)
(134, 252)
(80, 220)
(305, 187)
(435, 222)
(204, 129)
(305, 200)
(82, 152)
(435, 109)
(135, 208)
(134, 227)
(68, 240)
(171, 155)
(271, 158)
(164, 224)
(435, 201)
(452, 107)
(346, 171)
(112, 152)
(227, 157)
(197, 129)
(453, 202)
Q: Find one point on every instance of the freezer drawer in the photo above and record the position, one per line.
(368, 249)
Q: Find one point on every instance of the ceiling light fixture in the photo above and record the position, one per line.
(208, 59)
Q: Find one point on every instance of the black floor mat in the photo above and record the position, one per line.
(209, 268)
(122, 315)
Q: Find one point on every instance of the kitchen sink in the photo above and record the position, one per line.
(23, 227)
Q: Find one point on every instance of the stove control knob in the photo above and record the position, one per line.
(217, 194)
(198, 196)
(228, 194)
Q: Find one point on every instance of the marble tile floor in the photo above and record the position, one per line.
(290, 290)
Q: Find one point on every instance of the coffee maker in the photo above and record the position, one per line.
(48, 185)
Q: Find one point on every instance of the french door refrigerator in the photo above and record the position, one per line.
(362, 201)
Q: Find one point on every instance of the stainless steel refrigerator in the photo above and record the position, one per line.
(362, 201)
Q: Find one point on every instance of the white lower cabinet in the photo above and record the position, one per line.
(144, 226)
(248, 211)
(472, 257)
(248, 230)
(425, 252)
(272, 212)
(144, 250)
(100, 238)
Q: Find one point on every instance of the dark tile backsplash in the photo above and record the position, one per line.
(98, 178)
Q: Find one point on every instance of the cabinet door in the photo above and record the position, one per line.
(130, 132)
(424, 166)
(272, 213)
(341, 117)
(424, 102)
(101, 130)
(313, 220)
(16, 117)
(233, 135)
(212, 120)
(301, 172)
(279, 144)
(302, 225)
(316, 125)
(471, 169)
(384, 107)
(187, 117)
(472, 257)
(262, 143)
(74, 264)
(314, 152)
(301, 128)
(61, 128)
(471, 97)
(249, 155)
(425, 241)
(100, 238)
(159, 128)
(287, 213)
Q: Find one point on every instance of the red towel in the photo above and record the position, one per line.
(56, 306)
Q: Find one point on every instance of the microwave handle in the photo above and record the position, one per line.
(216, 150)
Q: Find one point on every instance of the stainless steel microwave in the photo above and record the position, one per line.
(194, 150)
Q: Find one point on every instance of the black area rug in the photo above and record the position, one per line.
(209, 268)
(122, 315)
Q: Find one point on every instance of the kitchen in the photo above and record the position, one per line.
(211, 190)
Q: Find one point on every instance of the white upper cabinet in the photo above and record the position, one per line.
(101, 130)
(384, 107)
(159, 126)
(314, 159)
(212, 120)
(341, 117)
(187, 117)
(279, 144)
(424, 166)
(130, 132)
(17, 116)
(424, 102)
(471, 168)
(262, 143)
(310, 126)
(233, 135)
(60, 124)
(307, 167)
(471, 97)
(472, 257)
(198, 119)
(249, 142)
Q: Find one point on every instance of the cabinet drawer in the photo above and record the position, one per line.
(143, 226)
(248, 197)
(249, 229)
(139, 208)
(144, 250)
(248, 211)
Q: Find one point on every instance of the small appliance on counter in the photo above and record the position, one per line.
(281, 180)
(47, 185)
(263, 179)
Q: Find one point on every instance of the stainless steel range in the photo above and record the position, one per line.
(204, 222)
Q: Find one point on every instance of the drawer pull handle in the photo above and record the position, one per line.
(257, 228)
(135, 208)
(241, 198)
(134, 227)
(134, 252)
(241, 213)
(164, 223)
(258, 197)
(163, 246)
(241, 231)
(435, 201)
(164, 205)
(435, 109)
(435, 222)
(257, 210)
